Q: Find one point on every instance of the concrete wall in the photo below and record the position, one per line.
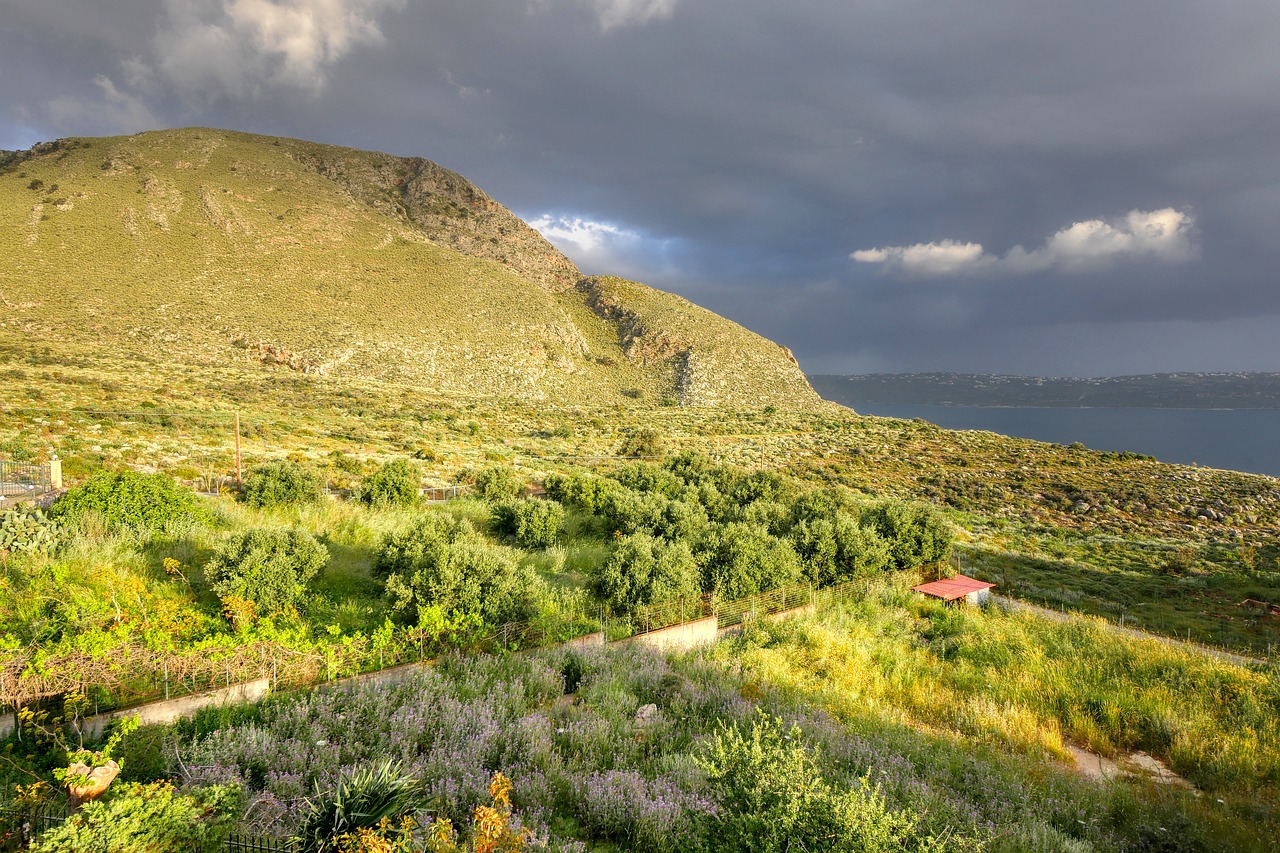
(183, 706)
(978, 597)
(390, 675)
(678, 637)
(596, 639)
(802, 610)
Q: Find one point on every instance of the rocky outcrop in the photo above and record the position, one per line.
(446, 207)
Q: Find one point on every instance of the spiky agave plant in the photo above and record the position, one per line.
(361, 800)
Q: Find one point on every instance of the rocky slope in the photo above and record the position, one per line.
(214, 247)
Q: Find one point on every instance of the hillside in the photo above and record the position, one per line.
(208, 247)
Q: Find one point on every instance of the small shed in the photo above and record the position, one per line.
(972, 590)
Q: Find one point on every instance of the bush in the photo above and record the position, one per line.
(396, 483)
(282, 483)
(127, 500)
(534, 523)
(361, 800)
(648, 477)
(917, 534)
(443, 563)
(626, 511)
(819, 503)
(585, 491)
(681, 520)
(772, 797)
(760, 486)
(771, 515)
(743, 559)
(270, 568)
(860, 551)
(690, 466)
(643, 570)
(642, 442)
(143, 756)
(152, 818)
(814, 541)
(498, 483)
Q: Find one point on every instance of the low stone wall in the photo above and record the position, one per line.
(184, 706)
(687, 635)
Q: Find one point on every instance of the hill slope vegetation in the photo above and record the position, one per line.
(201, 246)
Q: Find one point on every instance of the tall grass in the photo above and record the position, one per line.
(1021, 682)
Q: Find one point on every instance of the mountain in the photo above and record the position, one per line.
(1156, 390)
(217, 248)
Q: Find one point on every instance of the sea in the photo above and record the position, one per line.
(1234, 439)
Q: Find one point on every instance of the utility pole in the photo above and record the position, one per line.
(239, 481)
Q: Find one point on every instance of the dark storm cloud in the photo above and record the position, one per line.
(739, 152)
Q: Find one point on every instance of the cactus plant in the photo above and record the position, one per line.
(27, 530)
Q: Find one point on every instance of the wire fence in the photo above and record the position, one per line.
(25, 479)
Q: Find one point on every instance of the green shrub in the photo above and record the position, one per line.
(271, 568)
(860, 551)
(143, 755)
(772, 797)
(917, 533)
(498, 483)
(153, 818)
(814, 541)
(681, 520)
(819, 503)
(648, 477)
(760, 486)
(743, 559)
(626, 511)
(643, 570)
(129, 500)
(533, 522)
(642, 442)
(361, 800)
(396, 483)
(281, 483)
(771, 515)
(27, 530)
(443, 563)
(691, 466)
(581, 490)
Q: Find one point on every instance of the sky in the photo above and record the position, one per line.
(1066, 188)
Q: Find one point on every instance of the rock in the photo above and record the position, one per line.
(646, 713)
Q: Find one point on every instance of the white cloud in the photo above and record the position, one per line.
(619, 13)
(1094, 244)
(599, 248)
(212, 48)
(575, 234)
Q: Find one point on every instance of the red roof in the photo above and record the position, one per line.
(949, 589)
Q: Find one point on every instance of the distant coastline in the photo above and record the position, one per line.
(1227, 391)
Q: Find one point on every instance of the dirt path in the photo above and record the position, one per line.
(1014, 604)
